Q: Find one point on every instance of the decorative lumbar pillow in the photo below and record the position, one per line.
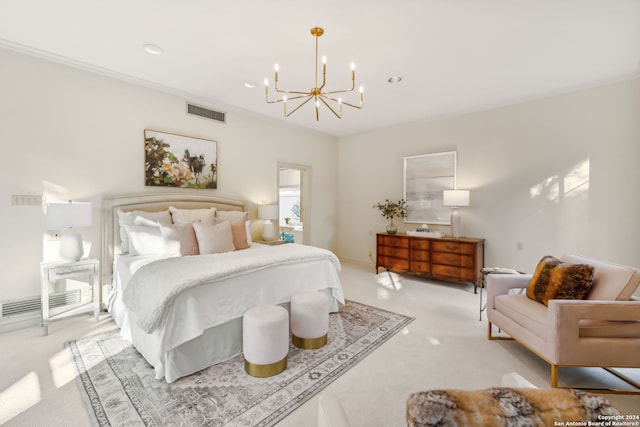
(144, 240)
(183, 216)
(554, 279)
(239, 232)
(179, 240)
(214, 238)
(504, 406)
(138, 218)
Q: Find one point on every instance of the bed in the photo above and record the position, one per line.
(184, 313)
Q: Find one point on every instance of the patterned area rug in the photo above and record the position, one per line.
(121, 390)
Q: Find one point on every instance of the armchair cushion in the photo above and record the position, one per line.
(554, 279)
(530, 315)
(611, 282)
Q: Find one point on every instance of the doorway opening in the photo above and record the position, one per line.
(293, 183)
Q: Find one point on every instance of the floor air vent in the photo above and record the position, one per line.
(206, 113)
(33, 304)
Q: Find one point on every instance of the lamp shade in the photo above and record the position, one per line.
(69, 214)
(267, 211)
(455, 198)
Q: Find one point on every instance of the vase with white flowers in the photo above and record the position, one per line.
(391, 210)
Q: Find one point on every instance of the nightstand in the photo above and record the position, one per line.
(50, 272)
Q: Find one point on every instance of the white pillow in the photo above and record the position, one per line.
(139, 218)
(179, 240)
(144, 240)
(231, 216)
(183, 216)
(214, 238)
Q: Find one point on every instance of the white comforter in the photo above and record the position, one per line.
(153, 288)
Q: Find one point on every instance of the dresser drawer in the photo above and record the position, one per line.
(393, 251)
(396, 241)
(420, 267)
(453, 247)
(448, 271)
(452, 259)
(395, 264)
(468, 274)
(453, 272)
(422, 244)
(420, 255)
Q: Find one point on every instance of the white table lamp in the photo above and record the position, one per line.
(455, 199)
(64, 216)
(267, 213)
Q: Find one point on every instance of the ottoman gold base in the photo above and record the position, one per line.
(268, 370)
(309, 343)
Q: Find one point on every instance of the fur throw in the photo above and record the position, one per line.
(503, 406)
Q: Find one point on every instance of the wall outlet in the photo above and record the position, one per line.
(370, 254)
(519, 246)
(26, 200)
(370, 232)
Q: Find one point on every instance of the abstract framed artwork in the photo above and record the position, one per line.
(425, 179)
(179, 161)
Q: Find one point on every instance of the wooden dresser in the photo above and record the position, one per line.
(442, 258)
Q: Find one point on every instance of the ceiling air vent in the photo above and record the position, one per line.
(196, 110)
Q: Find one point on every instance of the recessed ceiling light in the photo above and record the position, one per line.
(395, 79)
(250, 85)
(153, 49)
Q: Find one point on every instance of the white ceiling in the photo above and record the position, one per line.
(454, 56)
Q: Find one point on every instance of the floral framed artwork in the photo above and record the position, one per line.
(179, 161)
(425, 179)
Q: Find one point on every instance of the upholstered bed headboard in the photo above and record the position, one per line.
(149, 203)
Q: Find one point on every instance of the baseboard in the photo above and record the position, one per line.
(358, 262)
(23, 322)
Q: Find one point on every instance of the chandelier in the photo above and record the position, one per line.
(317, 93)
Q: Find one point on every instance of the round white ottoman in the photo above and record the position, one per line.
(309, 320)
(265, 340)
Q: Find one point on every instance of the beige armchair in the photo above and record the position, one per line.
(601, 331)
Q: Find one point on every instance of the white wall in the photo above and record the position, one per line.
(67, 133)
(71, 134)
(558, 174)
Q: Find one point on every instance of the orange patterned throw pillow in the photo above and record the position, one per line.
(554, 279)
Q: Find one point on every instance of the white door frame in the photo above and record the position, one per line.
(305, 184)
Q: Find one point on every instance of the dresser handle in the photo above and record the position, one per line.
(451, 247)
